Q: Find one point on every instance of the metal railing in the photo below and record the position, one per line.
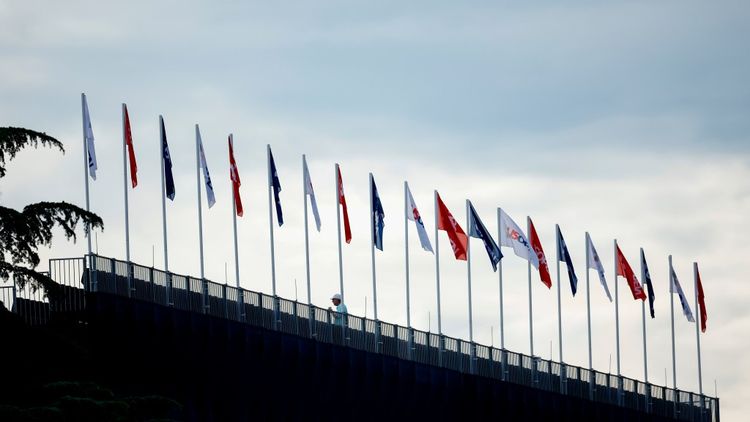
(108, 275)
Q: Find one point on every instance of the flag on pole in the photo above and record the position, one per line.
(456, 234)
(168, 178)
(342, 202)
(276, 185)
(378, 216)
(88, 133)
(701, 301)
(647, 283)
(234, 175)
(564, 256)
(542, 266)
(311, 193)
(675, 287)
(595, 263)
(624, 270)
(131, 151)
(210, 197)
(512, 236)
(478, 230)
(413, 214)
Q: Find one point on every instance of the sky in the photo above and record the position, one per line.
(624, 119)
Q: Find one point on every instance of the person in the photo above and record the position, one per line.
(338, 314)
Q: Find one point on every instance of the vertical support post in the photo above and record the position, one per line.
(472, 352)
(307, 251)
(559, 310)
(617, 325)
(410, 332)
(698, 338)
(441, 340)
(531, 314)
(164, 210)
(125, 191)
(84, 118)
(500, 288)
(592, 378)
(647, 386)
(372, 258)
(270, 228)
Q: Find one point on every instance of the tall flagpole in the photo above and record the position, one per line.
(125, 190)
(531, 319)
(671, 307)
(645, 347)
(270, 229)
(86, 178)
(500, 289)
(406, 260)
(164, 208)
(617, 325)
(307, 247)
(372, 259)
(204, 286)
(698, 317)
(437, 282)
(240, 294)
(338, 230)
(588, 317)
(468, 277)
(559, 307)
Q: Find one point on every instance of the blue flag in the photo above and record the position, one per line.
(378, 216)
(168, 179)
(647, 282)
(276, 185)
(564, 256)
(478, 230)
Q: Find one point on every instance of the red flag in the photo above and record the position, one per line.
(342, 201)
(701, 301)
(447, 223)
(131, 152)
(624, 270)
(234, 175)
(537, 246)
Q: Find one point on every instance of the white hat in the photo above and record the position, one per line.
(336, 296)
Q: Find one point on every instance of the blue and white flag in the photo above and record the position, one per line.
(88, 134)
(512, 236)
(412, 213)
(206, 177)
(674, 287)
(564, 256)
(168, 178)
(595, 263)
(310, 192)
(378, 216)
(478, 230)
(276, 185)
(647, 283)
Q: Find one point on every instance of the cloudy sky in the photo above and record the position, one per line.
(627, 120)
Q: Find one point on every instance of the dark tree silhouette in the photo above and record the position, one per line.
(23, 232)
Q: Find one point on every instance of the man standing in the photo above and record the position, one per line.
(340, 312)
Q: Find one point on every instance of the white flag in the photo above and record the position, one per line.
(88, 135)
(674, 287)
(513, 237)
(413, 214)
(596, 264)
(206, 177)
(311, 193)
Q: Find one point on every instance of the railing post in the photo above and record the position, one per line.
(204, 293)
(226, 301)
(130, 279)
(153, 285)
(410, 343)
(168, 297)
(503, 369)
(113, 272)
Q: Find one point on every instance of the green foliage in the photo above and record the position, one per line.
(13, 139)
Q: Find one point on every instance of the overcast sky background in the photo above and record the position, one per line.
(626, 119)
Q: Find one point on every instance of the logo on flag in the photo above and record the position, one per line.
(623, 269)
(234, 175)
(595, 263)
(675, 287)
(512, 236)
(564, 256)
(167, 159)
(456, 234)
(131, 151)
(413, 214)
(273, 177)
(378, 216)
(478, 230)
(206, 177)
(539, 253)
(310, 192)
(88, 134)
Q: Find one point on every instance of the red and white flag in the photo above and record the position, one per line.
(624, 270)
(131, 151)
(536, 245)
(446, 222)
(342, 202)
(234, 175)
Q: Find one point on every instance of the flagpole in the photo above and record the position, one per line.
(86, 177)
(125, 190)
(406, 260)
(240, 294)
(588, 317)
(500, 289)
(531, 319)
(559, 306)
(338, 229)
(164, 208)
(671, 307)
(204, 286)
(270, 229)
(617, 325)
(372, 259)
(698, 318)
(307, 248)
(468, 277)
(645, 347)
(437, 282)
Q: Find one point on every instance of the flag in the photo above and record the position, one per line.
(595, 263)
(131, 151)
(276, 185)
(342, 202)
(536, 245)
(623, 269)
(456, 234)
(674, 287)
(378, 216)
(512, 236)
(564, 256)
(647, 283)
(413, 214)
(310, 192)
(168, 179)
(88, 134)
(234, 176)
(701, 301)
(206, 177)
(478, 230)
